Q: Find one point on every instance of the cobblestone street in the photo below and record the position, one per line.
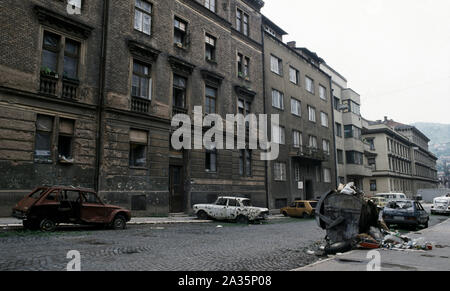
(274, 246)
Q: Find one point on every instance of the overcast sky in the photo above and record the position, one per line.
(395, 53)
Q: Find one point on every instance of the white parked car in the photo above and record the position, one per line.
(441, 205)
(392, 196)
(231, 208)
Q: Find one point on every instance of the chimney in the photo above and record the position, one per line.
(292, 44)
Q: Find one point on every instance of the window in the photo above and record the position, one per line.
(50, 52)
(353, 107)
(180, 32)
(373, 185)
(65, 139)
(211, 161)
(244, 107)
(312, 114)
(324, 119)
(142, 81)
(43, 138)
(297, 138)
(280, 171)
(210, 48)
(323, 92)
(277, 99)
(276, 65)
(71, 56)
(313, 142)
(336, 103)
(294, 75)
(243, 66)
(179, 91)
(372, 163)
(326, 146)
(340, 157)
(245, 163)
(278, 134)
(210, 100)
(310, 85)
(327, 175)
(242, 22)
(138, 148)
(296, 107)
(297, 173)
(351, 131)
(211, 5)
(354, 158)
(143, 16)
(338, 129)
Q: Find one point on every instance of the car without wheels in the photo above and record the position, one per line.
(47, 207)
(232, 209)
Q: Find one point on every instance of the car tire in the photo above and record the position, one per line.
(30, 224)
(202, 215)
(241, 219)
(47, 225)
(426, 224)
(119, 223)
(285, 214)
(305, 215)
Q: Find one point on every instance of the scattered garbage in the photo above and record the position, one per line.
(309, 252)
(353, 222)
(220, 226)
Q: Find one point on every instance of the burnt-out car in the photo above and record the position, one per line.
(46, 207)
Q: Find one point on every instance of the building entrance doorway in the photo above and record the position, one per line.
(176, 190)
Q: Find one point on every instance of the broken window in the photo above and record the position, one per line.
(142, 81)
(138, 148)
(180, 32)
(65, 140)
(43, 142)
(179, 91)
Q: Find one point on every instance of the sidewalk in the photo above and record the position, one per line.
(392, 260)
(12, 223)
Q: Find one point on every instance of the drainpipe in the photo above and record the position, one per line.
(265, 111)
(100, 105)
(334, 133)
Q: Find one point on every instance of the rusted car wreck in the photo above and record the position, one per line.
(46, 207)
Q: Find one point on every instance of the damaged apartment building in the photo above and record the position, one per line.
(87, 99)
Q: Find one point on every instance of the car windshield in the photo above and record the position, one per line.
(247, 203)
(313, 204)
(38, 193)
(402, 205)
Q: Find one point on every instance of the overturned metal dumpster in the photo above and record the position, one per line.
(344, 214)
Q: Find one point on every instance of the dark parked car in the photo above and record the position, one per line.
(405, 212)
(46, 207)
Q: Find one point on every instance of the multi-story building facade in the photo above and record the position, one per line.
(354, 156)
(403, 162)
(87, 99)
(299, 92)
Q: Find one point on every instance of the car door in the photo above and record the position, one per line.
(92, 209)
(48, 205)
(232, 209)
(300, 209)
(422, 214)
(291, 209)
(219, 211)
(69, 209)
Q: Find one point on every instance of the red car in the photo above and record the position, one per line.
(46, 207)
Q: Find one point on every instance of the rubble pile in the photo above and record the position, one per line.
(353, 222)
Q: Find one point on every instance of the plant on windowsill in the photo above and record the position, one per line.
(47, 72)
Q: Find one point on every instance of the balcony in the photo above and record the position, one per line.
(49, 84)
(70, 88)
(309, 153)
(179, 110)
(140, 105)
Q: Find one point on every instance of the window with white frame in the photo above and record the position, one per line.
(297, 138)
(211, 5)
(309, 85)
(276, 65)
(280, 172)
(324, 119)
(296, 107)
(294, 75)
(278, 134)
(277, 99)
(143, 16)
(142, 81)
(313, 142)
(312, 113)
(323, 92)
(326, 146)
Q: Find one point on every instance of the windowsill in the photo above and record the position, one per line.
(211, 61)
(278, 74)
(144, 33)
(42, 161)
(180, 47)
(138, 168)
(279, 109)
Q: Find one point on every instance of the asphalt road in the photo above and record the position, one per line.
(278, 245)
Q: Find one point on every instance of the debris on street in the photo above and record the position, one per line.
(352, 222)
